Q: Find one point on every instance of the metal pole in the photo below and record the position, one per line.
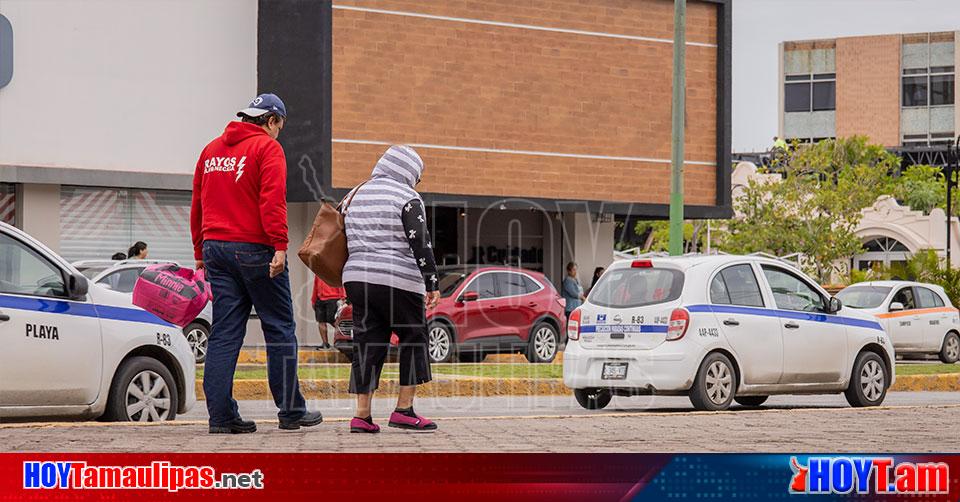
(679, 107)
(951, 168)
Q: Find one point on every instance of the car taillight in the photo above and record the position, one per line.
(641, 264)
(573, 325)
(679, 320)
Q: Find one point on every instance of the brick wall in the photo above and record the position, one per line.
(868, 88)
(403, 79)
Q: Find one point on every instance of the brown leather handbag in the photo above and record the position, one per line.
(324, 251)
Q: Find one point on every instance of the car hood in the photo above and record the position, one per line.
(867, 314)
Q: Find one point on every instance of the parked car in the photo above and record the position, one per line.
(73, 349)
(92, 268)
(122, 277)
(721, 329)
(484, 310)
(918, 317)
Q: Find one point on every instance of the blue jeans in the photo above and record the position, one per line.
(239, 274)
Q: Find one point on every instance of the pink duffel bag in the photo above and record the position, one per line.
(172, 293)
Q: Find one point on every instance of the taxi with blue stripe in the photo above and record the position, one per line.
(75, 350)
(721, 329)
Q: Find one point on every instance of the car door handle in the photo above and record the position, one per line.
(4, 317)
(531, 304)
(731, 322)
(791, 325)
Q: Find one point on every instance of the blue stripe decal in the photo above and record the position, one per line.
(52, 306)
(787, 314)
(625, 328)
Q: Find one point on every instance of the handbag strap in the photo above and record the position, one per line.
(346, 202)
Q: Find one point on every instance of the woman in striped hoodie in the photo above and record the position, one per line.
(390, 277)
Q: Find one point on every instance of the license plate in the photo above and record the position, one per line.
(614, 371)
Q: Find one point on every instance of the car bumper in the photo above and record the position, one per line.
(662, 369)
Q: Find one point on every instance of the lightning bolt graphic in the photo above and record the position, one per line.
(240, 168)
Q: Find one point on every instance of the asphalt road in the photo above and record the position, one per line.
(909, 422)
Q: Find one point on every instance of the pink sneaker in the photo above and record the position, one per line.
(416, 423)
(361, 425)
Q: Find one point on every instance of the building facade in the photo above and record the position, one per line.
(538, 123)
(899, 89)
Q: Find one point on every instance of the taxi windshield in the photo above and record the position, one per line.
(636, 287)
(863, 297)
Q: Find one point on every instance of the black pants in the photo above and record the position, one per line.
(379, 311)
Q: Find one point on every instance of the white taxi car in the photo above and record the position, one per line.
(76, 350)
(721, 329)
(919, 317)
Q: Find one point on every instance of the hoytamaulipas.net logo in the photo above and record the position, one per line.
(159, 475)
(874, 475)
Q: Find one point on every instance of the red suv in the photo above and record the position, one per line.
(484, 310)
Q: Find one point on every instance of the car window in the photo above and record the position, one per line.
(636, 287)
(122, 280)
(24, 271)
(484, 285)
(863, 297)
(905, 296)
(792, 293)
(529, 284)
(449, 281)
(928, 299)
(736, 285)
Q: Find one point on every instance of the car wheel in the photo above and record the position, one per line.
(143, 390)
(868, 383)
(593, 399)
(197, 335)
(751, 401)
(471, 357)
(544, 343)
(439, 342)
(715, 384)
(950, 352)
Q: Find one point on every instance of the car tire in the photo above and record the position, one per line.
(472, 357)
(868, 381)
(198, 336)
(950, 350)
(125, 404)
(544, 343)
(593, 399)
(750, 401)
(715, 384)
(440, 343)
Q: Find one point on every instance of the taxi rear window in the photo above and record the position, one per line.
(636, 287)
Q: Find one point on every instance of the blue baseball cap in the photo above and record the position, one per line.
(264, 103)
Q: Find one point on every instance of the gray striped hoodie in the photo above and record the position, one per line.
(381, 248)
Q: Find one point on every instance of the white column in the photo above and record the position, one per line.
(38, 212)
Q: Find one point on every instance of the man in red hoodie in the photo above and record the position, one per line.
(239, 224)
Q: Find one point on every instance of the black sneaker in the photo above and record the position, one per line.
(309, 419)
(237, 426)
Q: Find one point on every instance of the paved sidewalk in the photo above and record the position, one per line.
(894, 429)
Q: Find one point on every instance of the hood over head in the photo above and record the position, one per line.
(237, 131)
(400, 163)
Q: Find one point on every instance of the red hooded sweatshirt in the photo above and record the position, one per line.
(240, 190)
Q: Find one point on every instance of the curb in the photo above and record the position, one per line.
(258, 355)
(486, 387)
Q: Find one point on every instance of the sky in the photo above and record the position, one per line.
(760, 25)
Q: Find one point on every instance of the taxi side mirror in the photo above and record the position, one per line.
(896, 307)
(77, 287)
(834, 305)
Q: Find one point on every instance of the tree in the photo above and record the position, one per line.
(816, 207)
(920, 187)
(657, 234)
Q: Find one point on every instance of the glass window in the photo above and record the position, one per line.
(8, 203)
(122, 280)
(449, 281)
(485, 286)
(742, 286)
(510, 284)
(824, 96)
(792, 293)
(863, 297)
(529, 284)
(636, 287)
(941, 90)
(928, 299)
(905, 296)
(718, 291)
(23, 271)
(915, 91)
(796, 97)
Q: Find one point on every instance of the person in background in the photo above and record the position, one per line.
(138, 250)
(118, 256)
(389, 277)
(326, 300)
(597, 272)
(238, 221)
(572, 290)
